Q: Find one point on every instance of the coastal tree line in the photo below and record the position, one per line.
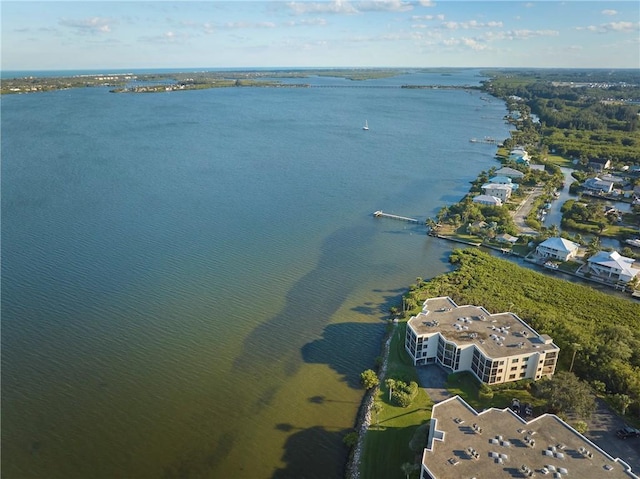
(593, 118)
(598, 334)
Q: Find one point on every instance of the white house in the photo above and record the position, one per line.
(557, 248)
(613, 266)
(598, 185)
(503, 192)
(599, 164)
(487, 200)
(496, 348)
(504, 180)
(519, 155)
(510, 172)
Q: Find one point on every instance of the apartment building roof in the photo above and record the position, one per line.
(497, 443)
(497, 335)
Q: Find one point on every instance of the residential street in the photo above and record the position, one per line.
(521, 213)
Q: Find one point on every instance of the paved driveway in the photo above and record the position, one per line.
(602, 431)
(434, 379)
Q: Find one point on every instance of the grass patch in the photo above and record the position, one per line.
(467, 386)
(386, 443)
(521, 249)
(560, 161)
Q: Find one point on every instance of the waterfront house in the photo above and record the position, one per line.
(520, 156)
(501, 444)
(487, 200)
(479, 224)
(506, 238)
(557, 248)
(510, 172)
(503, 192)
(598, 185)
(599, 164)
(496, 348)
(504, 180)
(612, 266)
(616, 180)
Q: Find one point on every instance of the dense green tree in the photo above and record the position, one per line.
(566, 393)
(419, 440)
(369, 379)
(350, 439)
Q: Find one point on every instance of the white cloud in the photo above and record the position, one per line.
(307, 22)
(623, 27)
(205, 27)
(169, 37)
(242, 25)
(427, 3)
(428, 17)
(609, 12)
(346, 7)
(519, 34)
(473, 44)
(471, 24)
(384, 6)
(336, 6)
(88, 26)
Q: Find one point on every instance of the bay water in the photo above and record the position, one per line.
(193, 281)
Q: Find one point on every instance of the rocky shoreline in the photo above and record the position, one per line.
(363, 420)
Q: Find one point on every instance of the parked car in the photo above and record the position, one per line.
(628, 431)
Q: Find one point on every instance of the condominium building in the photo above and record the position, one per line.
(499, 444)
(496, 348)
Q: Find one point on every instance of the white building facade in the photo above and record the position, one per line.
(496, 348)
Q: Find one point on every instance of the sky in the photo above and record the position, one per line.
(89, 34)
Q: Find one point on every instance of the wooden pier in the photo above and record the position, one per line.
(488, 140)
(382, 214)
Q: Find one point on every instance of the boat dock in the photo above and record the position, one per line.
(382, 214)
(488, 140)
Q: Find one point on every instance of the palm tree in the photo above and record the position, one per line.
(377, 407)
(576, 347)
(408, 468)
(390, 383)
(594, 245)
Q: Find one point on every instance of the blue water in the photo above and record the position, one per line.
(192, 281)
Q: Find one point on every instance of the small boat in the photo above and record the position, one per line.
(633, 242)
(366, 125)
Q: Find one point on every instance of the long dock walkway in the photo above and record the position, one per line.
(382, 214)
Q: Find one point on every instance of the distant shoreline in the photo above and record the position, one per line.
(178, 80)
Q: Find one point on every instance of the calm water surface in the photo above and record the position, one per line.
(192, 282)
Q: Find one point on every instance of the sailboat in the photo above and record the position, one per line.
(366, 125)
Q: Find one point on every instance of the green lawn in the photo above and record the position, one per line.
(386, 444)
(466, 386)
(560, 161)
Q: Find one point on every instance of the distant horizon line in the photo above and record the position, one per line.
(6, 73)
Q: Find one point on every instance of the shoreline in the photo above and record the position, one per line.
(363, 420)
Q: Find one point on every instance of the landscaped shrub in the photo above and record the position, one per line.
(404, 393)
(485, 392)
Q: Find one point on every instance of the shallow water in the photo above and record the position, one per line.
(192, 282)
